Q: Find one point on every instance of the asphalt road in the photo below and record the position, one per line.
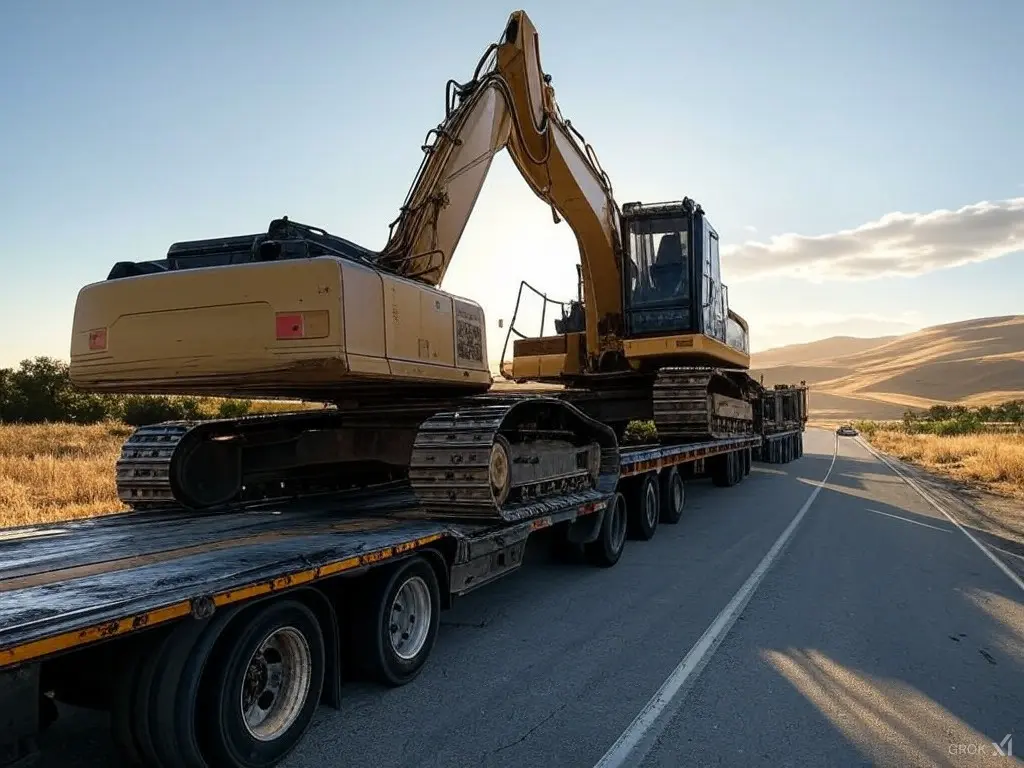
(879, 634)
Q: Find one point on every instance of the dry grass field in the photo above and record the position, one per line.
(991, 462)
(53, 472)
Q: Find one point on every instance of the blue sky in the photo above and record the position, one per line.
(127, 128)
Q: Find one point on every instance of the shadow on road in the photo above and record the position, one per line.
(889, 627)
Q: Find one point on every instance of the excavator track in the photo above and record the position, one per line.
(143, 469)
(498, 458)
(699, 404)
(510, 459)
(222, 463)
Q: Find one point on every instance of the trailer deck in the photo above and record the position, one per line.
(69, 585)
(72, 584)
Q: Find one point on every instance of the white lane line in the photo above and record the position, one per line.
(908, 520)
(927, 497)
(1006, 552)
(639, 737)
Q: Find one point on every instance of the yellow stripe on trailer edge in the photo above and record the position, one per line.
(35, 649)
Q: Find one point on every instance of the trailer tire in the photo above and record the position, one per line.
(724, 471)
(643, 506)
(142, 695)
(748, 460)
(240, 660)
(172, 704)
(121, 709)
(415, 581)
(673, 496)
(606, 550)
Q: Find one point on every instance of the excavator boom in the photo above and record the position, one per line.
(510, 104)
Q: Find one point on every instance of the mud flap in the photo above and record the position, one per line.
(19, 716)
(585, 529)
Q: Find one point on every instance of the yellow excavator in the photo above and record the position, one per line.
(297, 312)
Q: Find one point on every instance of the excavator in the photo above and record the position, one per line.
(297, 312)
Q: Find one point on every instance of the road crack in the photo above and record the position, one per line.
(530, 731)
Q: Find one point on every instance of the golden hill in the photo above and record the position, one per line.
(971, 362)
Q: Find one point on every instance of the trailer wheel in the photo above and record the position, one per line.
(143, 692)
(121, 709)
(606, 550)
(172, 708)
(673, 496)
(644, 498)
(403, 622)
(747, 461)
(723, 473)
(262, 686)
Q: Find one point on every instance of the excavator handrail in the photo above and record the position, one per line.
(515, 313)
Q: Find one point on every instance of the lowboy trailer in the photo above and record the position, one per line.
(212, 638)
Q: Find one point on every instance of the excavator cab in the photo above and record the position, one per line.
(675, 307)
(673, 298)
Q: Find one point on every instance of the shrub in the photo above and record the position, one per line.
(40, 390)
(232, 409)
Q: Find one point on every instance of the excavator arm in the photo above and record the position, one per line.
(510, 104)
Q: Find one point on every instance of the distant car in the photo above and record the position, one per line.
(846, 431)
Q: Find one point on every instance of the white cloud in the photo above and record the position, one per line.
(750, 228)
(904, 244)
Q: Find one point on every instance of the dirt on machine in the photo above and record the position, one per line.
(297, 312)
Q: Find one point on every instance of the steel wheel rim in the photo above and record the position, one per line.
(276, 682)
(618, 525)
(410, 619)
(677, 495)
(651, 505)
